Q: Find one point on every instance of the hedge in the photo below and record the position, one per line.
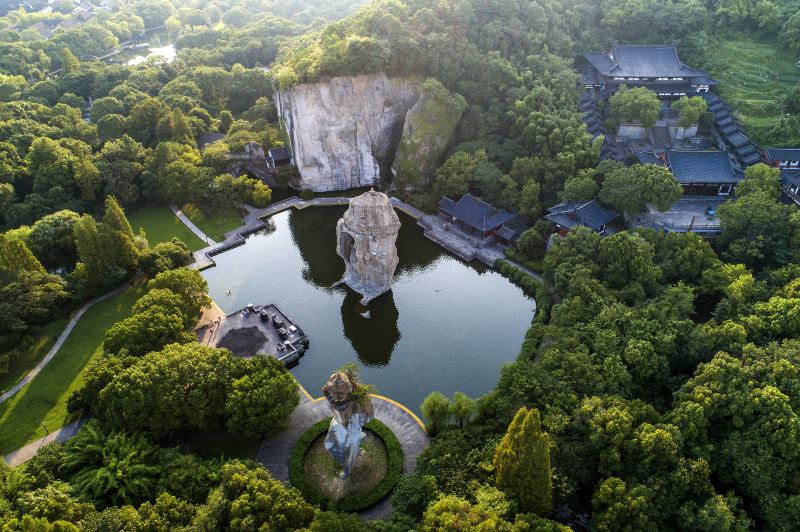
(528, 284)
(353, 503)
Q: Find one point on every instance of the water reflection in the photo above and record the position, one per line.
(444, 326)
(314, 234)
(372, 331)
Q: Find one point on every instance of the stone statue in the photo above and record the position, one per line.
(365, 239)
(345, 433)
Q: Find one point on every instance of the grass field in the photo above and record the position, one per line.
(32, 350)
(161, 225)
(44, 400)
(214, 222)
(754, 78)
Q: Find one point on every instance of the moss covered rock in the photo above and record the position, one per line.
(427, 131)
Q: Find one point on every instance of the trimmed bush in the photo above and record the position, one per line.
(528, 284)
(353, 503)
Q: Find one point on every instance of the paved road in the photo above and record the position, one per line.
(59, 342)
(191, 226)
(24, 454)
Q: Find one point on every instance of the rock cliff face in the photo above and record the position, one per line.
(365, 239)
(427, 131)
(345, 132)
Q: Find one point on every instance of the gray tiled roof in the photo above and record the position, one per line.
(791, 177)
(728, 120)
(590, 213)
(643, 61)
(702, 167)
(783, 154)
(721, 113)
(646, 157)
(478, 214)
(753, 158)
(737, 139)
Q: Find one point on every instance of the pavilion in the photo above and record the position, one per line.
(478, 218)
(657, 67)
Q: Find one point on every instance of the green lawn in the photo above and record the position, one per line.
(754, 78)
(161, 225)
(214, 222)
(32, 350)
(44, 400)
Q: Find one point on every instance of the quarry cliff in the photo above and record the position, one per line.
(351, 132)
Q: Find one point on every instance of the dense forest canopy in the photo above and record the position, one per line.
(657, 388)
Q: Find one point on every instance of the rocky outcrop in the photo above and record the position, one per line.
(365, 239)
(345, 132)
(429, 126)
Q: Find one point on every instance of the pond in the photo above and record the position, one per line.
(445, 326)
(166, 53)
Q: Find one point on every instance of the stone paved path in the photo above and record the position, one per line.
(191, 226)
(275, 451)
(59, 342)
(24, 454)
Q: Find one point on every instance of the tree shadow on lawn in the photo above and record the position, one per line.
(41, 406)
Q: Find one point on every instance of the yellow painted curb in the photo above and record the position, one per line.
(402, 407)
(374, 395)
(305, 392)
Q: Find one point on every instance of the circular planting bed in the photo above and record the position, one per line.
(375, 472)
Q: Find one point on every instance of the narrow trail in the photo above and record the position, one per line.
(59, 342)
(23, 454)
(191, 226)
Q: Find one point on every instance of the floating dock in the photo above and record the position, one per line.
(257, 330)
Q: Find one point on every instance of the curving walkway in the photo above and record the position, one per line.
(23, 454)
(275, 451)
(59, 342)
(191, 226)
(253, 222)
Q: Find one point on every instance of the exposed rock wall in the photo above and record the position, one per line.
(345, 132)
(428, 128)
(365, 239)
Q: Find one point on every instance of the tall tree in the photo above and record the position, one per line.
(69, 62)
(639, 104)
(436, 411)
(15, 256)
(629, 189)
(522, 463)
(115, 218)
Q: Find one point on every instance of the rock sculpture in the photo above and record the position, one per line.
(350, 414)
(365, 239)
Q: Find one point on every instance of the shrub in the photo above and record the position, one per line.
(352, 503)
(306, 194)
(528, 284)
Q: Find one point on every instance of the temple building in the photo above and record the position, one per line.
(586, 213)
(480, 219)
(656, 67)
(788, 160)
(708, 178)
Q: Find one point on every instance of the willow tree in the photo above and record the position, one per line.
(522, 463)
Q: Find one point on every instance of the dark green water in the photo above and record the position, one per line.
(445, 325)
